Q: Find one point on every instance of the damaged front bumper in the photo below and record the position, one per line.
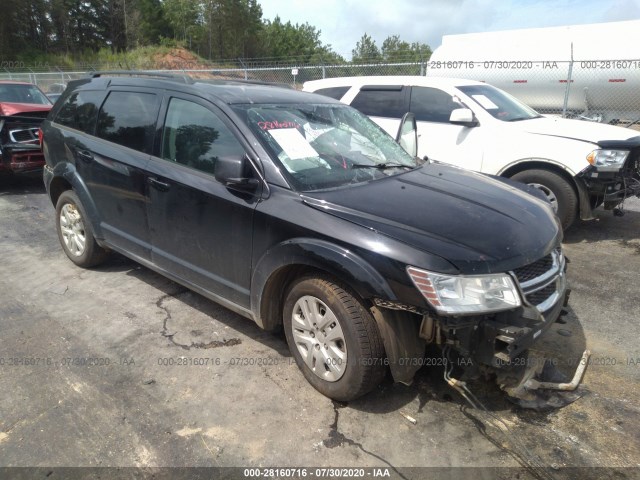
(21, 158)
(495, 344)
(610, 187)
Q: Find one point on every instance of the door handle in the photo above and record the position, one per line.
(158, 185)
(85, 156)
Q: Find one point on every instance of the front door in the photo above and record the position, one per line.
(201, 230)
(438, 138)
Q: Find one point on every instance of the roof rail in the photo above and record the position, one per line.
(136, 73)
(228, 80)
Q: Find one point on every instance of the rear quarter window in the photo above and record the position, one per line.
(129, 119)
(80, 111)
(384, 101)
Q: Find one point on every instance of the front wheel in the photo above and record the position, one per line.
(559, 192)
(333, 338)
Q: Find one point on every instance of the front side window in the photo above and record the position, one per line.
(499, 104)
(432, 104)
(129, 119)
(381, 101)
(325, 145)
(196, 137)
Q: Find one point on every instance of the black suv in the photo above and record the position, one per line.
(295, 210)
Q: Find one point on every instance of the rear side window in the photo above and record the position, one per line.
(129, 119)
(196, 137)
(432, 104)
(333, 92)
(80, 111)
(383, 101)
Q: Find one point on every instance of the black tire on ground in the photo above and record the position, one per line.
(77, 222)
(365, 358)
(566, 196)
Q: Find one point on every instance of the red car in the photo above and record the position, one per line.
(23, 106)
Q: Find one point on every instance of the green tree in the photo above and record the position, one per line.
(183, 16)
(366, 51)
(396, 50)
(285, 40)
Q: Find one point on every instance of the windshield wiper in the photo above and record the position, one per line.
(381, 166)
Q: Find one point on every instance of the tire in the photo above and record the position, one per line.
(75, 232)
(560, 192)
(343, 358)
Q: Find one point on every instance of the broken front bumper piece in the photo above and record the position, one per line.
(543, 386)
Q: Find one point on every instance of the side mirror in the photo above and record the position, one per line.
(464, 117)
(231, 171)
(407, 135)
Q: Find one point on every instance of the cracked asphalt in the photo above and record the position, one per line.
(120, 367)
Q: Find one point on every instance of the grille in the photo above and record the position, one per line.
(534, 270)
(536, 298)
(542, 281)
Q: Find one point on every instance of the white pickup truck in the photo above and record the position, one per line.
(579, 165)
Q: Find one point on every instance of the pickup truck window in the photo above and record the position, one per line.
(385, 102)
(432, 104)
(499, 104)
(325, 146)
(333, 92)
(194, 136)
(129, 119)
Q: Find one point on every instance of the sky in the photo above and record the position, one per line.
(343, 22)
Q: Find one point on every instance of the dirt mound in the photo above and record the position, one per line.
(180, 59)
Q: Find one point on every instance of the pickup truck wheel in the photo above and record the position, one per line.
(333, 338)
(559, 192)
(75, 233)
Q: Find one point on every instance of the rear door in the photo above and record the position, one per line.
(201, 230)
(110, 148)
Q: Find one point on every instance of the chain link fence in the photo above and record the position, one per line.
(597, 90)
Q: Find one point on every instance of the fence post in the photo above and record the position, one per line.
(244, 67)
(568, 88)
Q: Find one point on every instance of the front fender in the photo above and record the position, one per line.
(266, 284)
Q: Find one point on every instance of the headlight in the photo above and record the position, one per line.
(457, 294)
(608, 160)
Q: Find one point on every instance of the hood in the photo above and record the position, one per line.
(479, 224)
(575, 129)
(7, 108)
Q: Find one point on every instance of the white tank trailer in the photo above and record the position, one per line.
(582, 71)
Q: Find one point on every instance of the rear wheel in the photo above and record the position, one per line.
(333, 338)
(559, 192)
(75, 232)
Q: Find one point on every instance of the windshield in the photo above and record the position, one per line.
(17, 93)
(499, 104)
(325, 145)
